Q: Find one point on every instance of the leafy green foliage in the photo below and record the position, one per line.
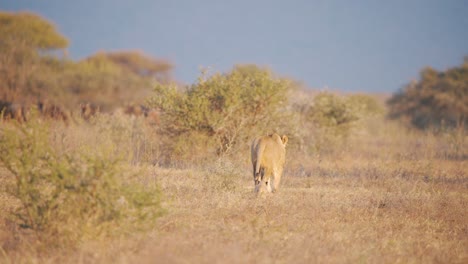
(25, 40)
(438, 99)
(364, 106)
(31, 30)
(101, 81)
(66, 196)
(330, 110)
(332, 118)
(227, 108)
(141, 64)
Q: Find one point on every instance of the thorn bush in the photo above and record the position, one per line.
(74, 195)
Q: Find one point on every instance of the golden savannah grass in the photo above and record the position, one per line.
(396, 196)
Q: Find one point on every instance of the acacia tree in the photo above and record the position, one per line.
(111, 79)
(31, 68)
(100, 81)
(26, 39)
(437, 99)
(142, 64)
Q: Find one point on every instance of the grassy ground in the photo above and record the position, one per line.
(396, 198)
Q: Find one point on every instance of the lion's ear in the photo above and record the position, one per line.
(284, 138)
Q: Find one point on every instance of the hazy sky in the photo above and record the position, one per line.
(348, 45)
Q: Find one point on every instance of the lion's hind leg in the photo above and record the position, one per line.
(263, 181)
(258, 178)
(276, 180)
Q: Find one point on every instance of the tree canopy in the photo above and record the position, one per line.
(34, 66)
(26, 39)
(141, 64)
(438, 99)
(29, 30)
(99, 80)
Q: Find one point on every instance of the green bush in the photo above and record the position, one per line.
(364, 106)
(227, 109)
(329, 110)
(333, 118)
(67, 196)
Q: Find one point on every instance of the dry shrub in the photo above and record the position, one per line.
(131, 135)
(67, 193)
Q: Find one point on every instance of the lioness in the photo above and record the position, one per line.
(268, 156)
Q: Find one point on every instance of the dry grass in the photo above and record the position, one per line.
(390, 196)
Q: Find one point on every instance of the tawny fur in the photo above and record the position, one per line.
(268, 156)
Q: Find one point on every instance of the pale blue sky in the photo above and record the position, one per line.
(347, 45)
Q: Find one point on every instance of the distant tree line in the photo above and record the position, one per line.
(34, 66)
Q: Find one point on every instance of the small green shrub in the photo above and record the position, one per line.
(67, 196)
(334, 117)
(331, 110)
(364, 106)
